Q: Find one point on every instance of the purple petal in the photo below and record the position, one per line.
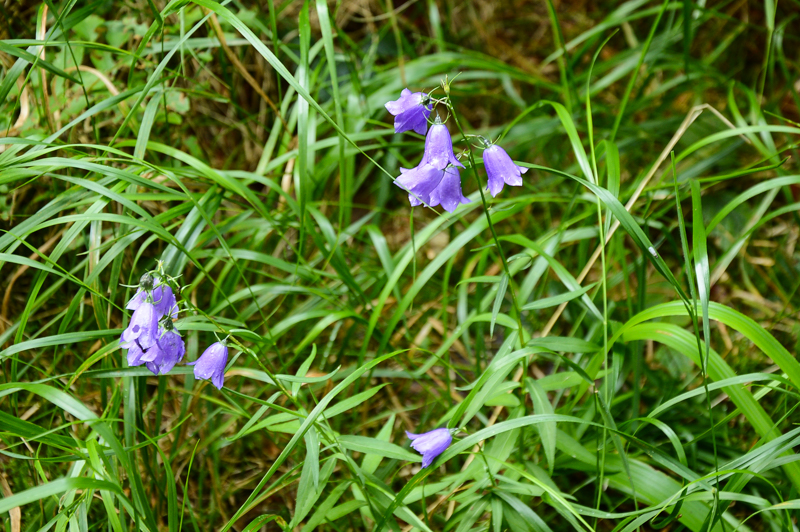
(406, 101)
(439, 148)
(415, 119)
(448, 193)
(430, 444)
(136, 300)
(409, 112)
(164, 301)
(411, 198)
(217, 379)
(143, 326)
(501, 169)
(173, 347)
(135, 353)
(420, 181)
(211, 364)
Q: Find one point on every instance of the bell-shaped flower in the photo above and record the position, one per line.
(439, 147)
(430, 444)
(162, 298)
(172, 349)
(143, 327)
(448, 192)
(411, 111)
(165, 302)
(419, 182)
(211, 364)
(501, 169)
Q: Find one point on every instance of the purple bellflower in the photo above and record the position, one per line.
(172, 349)
(430, 444)
(448, 192)
(146, 284)
(419, 182)
(211, 364)
(163, 300)
(411, 111)
(501, 169)
(439, 147)
(143, 328)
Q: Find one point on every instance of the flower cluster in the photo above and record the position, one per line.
(151, 338)
(436, 179)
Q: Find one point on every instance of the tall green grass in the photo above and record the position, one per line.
(615, 340)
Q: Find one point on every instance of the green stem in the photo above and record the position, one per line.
(489, 220)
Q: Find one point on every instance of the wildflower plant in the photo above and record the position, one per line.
(152, 339)
(426, 183)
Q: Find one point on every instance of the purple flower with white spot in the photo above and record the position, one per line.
(411, 111)
(430, 444)
(448, 192)
(501, 169)
(419, 182)
(439, 147)
(211, 364)
(143, 327)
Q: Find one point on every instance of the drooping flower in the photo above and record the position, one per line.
(162, 297)
(501, 169)
(211, 364)
(143, 327)
(448, 192)
(419, 182)
(439, 147)
(172, 349)
(411, 111)
(430, 444)
(165, 302)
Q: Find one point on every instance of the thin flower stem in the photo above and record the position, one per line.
(489, 220)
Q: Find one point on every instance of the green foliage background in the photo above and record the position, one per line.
(647, 383)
